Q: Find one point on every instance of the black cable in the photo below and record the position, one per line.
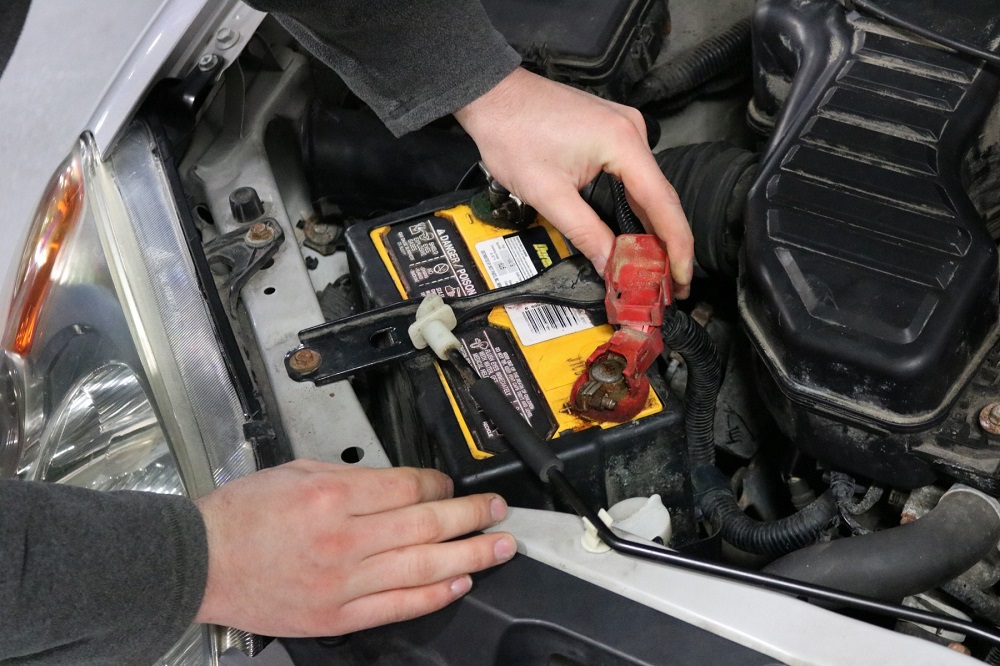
(680, 79)
(628, 222)
(892, 19)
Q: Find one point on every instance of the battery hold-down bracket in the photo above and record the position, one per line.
(614, 387)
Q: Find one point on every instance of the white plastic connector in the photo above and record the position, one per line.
(433, 327)
(590, 541)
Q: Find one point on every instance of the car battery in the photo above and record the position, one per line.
(534, 352)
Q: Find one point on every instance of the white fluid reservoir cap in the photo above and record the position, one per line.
(645, 517)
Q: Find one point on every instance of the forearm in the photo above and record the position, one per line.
(89, 577)
(412, 61)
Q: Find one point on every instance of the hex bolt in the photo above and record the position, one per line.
(208, 62)
(226, 38)
(989, 418)
(259, 234)
(305, 361)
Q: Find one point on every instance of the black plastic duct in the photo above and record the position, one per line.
(352, 160)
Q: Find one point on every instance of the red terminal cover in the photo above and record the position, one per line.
(638, 278)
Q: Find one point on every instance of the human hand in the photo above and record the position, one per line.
(545, 141)
(315, 549)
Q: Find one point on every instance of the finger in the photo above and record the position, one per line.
(405, 604)
(640, 212)
(430, 522)
(570, 214)
(309, 465)
(678, 291)
(375, 491)
(417, 566)
(654, 195)
(635, 117)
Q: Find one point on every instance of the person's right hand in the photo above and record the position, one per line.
(315, 549)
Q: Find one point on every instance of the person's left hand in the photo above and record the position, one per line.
(545, 141)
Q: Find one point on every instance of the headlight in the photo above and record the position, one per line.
(112, 375)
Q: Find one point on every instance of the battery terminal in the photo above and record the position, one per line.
(614, 386)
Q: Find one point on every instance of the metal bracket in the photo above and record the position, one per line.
(241, 253)
(339, 349)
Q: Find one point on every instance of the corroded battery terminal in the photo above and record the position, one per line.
(614, 386)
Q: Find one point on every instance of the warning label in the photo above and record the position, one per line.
(492, 353)
(430, 258)
(516, 258)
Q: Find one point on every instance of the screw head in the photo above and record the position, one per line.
(226, 38)
(259, 234)
(208, 61)
(305, 361)
(989, 418)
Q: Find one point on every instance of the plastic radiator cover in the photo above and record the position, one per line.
(869, 284)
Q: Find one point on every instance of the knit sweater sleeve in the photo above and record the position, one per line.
(88, 577)
(412, 61)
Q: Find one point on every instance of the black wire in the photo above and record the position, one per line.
(625, 217)
(766, 581)
(932, 35)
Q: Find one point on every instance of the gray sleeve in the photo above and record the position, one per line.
(412, 61)
(96, 578)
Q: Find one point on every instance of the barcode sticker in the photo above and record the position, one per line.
(507, 261)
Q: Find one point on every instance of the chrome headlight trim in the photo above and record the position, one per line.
(155, 277)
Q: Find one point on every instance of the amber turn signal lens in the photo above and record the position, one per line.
(57, 214)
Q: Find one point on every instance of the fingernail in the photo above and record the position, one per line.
(504, 549)
(689, 271)
(498, 509)
(600, 263)
(461, 586)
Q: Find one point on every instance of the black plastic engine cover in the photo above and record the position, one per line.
(869, 284)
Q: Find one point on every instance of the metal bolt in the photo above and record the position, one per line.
(608, 370)
(989, 418)
(305, 361)
(259, 234)
(226, 38)
(208, 61)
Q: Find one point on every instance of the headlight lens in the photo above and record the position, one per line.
(111, 375)
(105, 436)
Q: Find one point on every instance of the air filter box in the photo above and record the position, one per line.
(869, 280)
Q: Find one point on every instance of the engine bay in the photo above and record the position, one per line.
(822, 407)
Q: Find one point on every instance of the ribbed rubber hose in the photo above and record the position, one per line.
(777, 537)
(686, 73)
(712, 181)
(980, 602)
(704, 379)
